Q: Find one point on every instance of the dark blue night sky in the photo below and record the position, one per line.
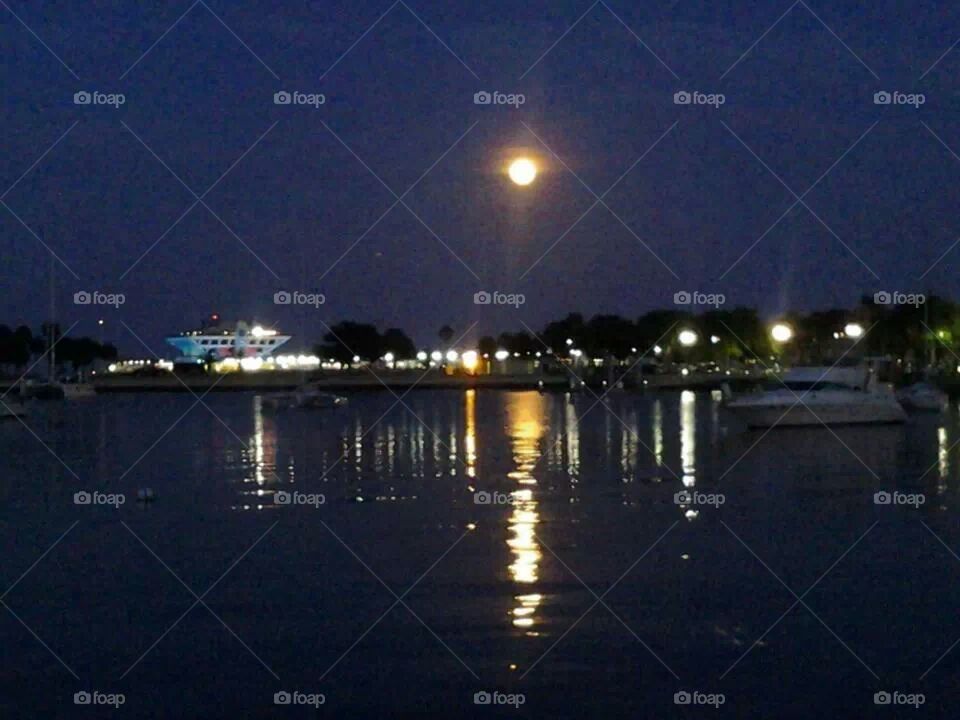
(303, 185)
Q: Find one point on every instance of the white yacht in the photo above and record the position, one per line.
(817, 396)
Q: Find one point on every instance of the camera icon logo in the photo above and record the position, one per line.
(282, 498)
(482, 698)
(282, 298)
(682, 298)
(82, 698)
(482, 298)
(482, 498)
(282, 698)
(882, 98)
(682, 698)
(882, 498)
(682, 498)
(482, 98)
(682, 98)
(882, 698)
(82, 298)
(82, 498)
(882, 298)
(282, 98)
(82, 98)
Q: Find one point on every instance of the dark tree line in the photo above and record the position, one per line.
(900, 330)
(19, 346)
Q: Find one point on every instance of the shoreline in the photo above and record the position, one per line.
(397, 380)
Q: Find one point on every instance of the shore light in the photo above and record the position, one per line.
(853, 330)
(688, 338)
(469, 360)
(781, 333)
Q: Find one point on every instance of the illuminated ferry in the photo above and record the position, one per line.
(220, 340)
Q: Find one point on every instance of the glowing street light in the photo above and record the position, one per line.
(781, 333)
(688, 338)
(452, 355)
(422, 355)
(853, 330)
(436, 356)
(470, 359)
(501, 355)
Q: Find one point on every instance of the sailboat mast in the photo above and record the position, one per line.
(51, 329)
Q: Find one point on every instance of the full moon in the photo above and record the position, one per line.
(522, 171)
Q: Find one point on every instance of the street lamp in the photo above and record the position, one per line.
(688, 338)
(781, 333)
(853, 330)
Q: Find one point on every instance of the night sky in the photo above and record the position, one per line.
(289, 193)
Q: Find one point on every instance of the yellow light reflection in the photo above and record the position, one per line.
(525, 412)
(470, 436)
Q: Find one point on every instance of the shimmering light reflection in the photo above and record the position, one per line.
(943, 457)
(688, 446)
(259, 459)
(572, 440)
(470, 437)
(524, 414)
(657, 427)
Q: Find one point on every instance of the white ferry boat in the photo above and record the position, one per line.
(221, 340)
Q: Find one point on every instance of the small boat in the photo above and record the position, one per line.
(41, 389)
(78, 390)
(818, 396)
(12, 409)
(923, 396)
(308, 395)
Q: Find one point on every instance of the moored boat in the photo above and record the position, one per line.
(818, 396)
(923, 396)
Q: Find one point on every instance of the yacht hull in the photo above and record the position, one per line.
(818, 414)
